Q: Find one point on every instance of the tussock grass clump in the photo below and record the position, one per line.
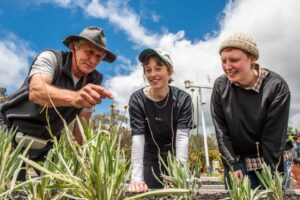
(97, 169)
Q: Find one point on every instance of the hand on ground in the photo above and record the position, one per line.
(238, 175)
(137, 187)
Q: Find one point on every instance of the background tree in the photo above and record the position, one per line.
(3, 95)
(197, 154)
(115, 120)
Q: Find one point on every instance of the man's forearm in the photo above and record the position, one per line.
(43, 93)
(52, 96)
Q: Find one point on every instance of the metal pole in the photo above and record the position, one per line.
(189, 84)
(198, 122)
(204, 132)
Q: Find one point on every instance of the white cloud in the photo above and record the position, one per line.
(63, 3)
(118, 14)
(276, 30)
(123, 86)
(294, 120)
(14, 60)
(273, 23)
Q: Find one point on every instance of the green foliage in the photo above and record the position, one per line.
(94, 170)
(45, 186)
(272, 182)
(10, 163)
(177, 174)
(241, 189)
(99, 168)
(178, 181)
(3, 96)
(197, 154)
(114, 121)
(111, 120)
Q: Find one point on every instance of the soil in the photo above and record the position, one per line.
(18, 196)
(197, 196)
(211, 196)
(212, 182)
(291, 197)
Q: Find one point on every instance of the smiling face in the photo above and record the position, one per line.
(238, 66)
(157, 73)
(86, 57)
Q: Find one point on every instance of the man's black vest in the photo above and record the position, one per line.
(31, 118)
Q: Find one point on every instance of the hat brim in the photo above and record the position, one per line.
(110, 57)
(147, 52)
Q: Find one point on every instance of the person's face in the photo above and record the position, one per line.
(88, 57)
(157, 76)
(237, 65)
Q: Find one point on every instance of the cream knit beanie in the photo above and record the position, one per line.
(241, 41)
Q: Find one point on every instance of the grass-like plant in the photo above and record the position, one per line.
(10, 163)
(177, 174)
(273, 182)
(177, 181)
(241, 189)
(45, 187)
(94, 170)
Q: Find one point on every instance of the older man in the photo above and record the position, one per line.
(66, 83)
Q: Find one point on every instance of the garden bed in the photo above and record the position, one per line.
(210, 194)
(202, 194)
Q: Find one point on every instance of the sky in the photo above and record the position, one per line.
(190, 30)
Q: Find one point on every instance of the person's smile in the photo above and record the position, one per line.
(232, 73)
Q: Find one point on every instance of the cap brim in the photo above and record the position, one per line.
(146, 53)
(110, 57)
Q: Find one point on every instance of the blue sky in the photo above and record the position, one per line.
(190, 30)
(42, 25)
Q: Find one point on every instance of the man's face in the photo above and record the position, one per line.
(87, 57)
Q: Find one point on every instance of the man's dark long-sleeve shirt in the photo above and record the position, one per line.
(243, 117)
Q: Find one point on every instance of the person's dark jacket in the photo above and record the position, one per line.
(244, 119)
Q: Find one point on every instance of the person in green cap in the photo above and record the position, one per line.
(160, 120)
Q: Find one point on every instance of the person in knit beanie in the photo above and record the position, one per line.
(250, 109)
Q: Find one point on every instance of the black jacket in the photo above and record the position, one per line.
(31, 118)
(244, 117)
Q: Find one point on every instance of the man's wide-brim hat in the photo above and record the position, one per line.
(94, 35)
